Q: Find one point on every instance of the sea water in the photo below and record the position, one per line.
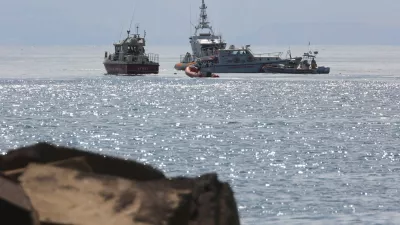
(297, 149)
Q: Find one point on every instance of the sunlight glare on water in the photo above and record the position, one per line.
(314, 149)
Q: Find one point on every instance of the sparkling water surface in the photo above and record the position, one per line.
(297, 149)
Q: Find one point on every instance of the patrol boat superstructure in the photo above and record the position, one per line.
(204, 42)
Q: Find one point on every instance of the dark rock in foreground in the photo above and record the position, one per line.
(45, 184)
(46, 153)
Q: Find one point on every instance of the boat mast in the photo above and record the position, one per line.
(133, 15)
(137, 31)
(130, 25)
(203, 22)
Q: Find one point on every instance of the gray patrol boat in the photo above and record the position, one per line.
(239, 60)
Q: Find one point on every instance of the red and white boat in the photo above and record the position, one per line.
(193, 71)
(130, 58)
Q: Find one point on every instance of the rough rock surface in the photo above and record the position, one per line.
(70, 186)
(68, 196)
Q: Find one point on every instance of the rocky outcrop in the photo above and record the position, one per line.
(46, 184)
(46, 153)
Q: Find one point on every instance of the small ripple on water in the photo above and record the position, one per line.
(294, 151)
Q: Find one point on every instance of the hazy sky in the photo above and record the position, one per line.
(167, 22)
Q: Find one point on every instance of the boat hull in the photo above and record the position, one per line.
(195, 73)
(131, 69)
(319, 70)
(182, 66)
(239, 68)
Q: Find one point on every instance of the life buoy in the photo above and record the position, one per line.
(250, 58)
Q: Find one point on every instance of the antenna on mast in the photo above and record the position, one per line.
(190, 16)
(137, 28)
(133, 15)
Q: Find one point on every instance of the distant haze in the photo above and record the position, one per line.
(167, 22)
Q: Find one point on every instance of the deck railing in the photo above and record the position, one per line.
(271, 54)
(192, 58)
(153, 57)
(184, 58)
